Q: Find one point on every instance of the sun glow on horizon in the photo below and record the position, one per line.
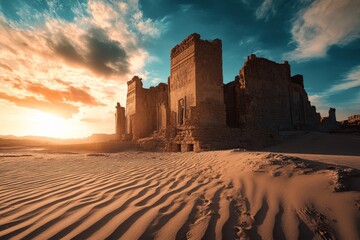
(46, 124)
(31, 122)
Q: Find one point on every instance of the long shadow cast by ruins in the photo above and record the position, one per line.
(320, 143)
(347, 178)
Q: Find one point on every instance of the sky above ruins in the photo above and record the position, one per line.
(65, 64)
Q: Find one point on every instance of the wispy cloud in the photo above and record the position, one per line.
(351, 80)
(266, 10)
(63, 109)
(70, 94)
(6, 67)
(322, 24)
(343, 110)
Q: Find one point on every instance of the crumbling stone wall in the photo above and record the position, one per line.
(209, 83)
(146, 109)
(264, 96)
(261, 95)
(235, 102)
(354, 119)
(330, 123)
(303, 115)
(157, 107)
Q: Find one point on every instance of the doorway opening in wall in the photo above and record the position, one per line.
(190, 147)
(178, 147)
(181, 111)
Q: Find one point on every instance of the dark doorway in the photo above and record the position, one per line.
(190, 147)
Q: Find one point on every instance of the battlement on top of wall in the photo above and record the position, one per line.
(160, 86)
(253, 58)
(134, 79)
(192, 39)
(262, 66)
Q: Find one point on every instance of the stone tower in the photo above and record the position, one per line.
(196, 83)
(119, 121)
(134, 113)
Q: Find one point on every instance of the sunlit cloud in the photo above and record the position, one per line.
(324, 24)
(102, 44)
(75, 68)
(63, 109)
(5, 67)
(70, 94)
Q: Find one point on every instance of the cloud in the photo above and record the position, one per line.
(266, 10)
(100, 54)
(321, 100)
(185, 7)
(343, 109)
(66, 50)
(6, 67)
(351, 80)
(71, 94)
(105, 56)
(62, 109)
(90, 120)
(64, 103)
(68, 65)
(323, 24)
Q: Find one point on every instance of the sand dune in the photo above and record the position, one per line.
(208, 195)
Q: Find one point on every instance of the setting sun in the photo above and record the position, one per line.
(46, 124)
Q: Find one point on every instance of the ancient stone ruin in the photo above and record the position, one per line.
(196, 111)
(354, 119)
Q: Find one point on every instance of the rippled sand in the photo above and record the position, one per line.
(208, 195)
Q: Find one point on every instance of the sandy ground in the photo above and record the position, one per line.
(230, 194)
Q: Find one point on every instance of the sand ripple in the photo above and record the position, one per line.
(211, 195)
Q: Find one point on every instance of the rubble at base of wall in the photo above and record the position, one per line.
(205, 139)
(152, 144)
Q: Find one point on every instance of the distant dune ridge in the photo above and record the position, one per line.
(232, 194)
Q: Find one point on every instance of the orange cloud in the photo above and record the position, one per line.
(72, 94)
(62, 109)
(74, 65)
(6, 67)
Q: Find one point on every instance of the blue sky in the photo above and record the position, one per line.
(72, 59)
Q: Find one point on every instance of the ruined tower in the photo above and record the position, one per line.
(196, 83)
(146, 109)
(196, 96)
(134, 109)
(264, 88)
(119, 121)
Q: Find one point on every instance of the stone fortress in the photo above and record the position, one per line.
(196, 111)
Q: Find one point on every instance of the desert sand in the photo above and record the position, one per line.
(278, 193)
